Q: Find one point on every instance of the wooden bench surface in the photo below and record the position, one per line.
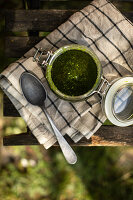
(105, 136)
(46, 20)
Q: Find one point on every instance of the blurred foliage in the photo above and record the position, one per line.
(97, 175)
(32, 173)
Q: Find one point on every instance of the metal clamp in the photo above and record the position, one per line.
(38, 54)
(104, 82)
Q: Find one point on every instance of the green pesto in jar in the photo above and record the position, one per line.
(74, 72)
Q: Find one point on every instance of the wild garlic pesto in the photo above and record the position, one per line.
(74, 72)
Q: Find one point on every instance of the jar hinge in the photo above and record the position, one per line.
(38, 54)
(103, 82)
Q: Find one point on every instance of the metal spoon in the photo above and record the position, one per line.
(35, 94)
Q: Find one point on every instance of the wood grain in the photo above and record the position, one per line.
(8, 108)
(105, 136)
(40, 20)
(25, 20)
(113, 1)
(17, 46)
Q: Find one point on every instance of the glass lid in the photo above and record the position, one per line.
(123, 103)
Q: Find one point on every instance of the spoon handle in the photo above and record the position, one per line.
(68, 152)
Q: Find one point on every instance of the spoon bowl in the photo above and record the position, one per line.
(33, 89)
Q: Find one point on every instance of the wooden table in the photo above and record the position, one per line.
(33, 21)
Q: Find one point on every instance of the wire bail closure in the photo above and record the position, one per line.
(43, 63)
(38, 55)
(104, 82)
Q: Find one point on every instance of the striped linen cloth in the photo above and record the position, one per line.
(99, 26)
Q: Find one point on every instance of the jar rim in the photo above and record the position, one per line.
(58, 53)
(108, 99)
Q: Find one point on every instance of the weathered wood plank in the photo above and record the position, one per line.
(33, 4)
(105, 136)
(8, 108)
(85, 0)
(17, 46)
(40, 20)
(129, 15)
(79, 4)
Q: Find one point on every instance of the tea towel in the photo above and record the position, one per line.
(99, 26)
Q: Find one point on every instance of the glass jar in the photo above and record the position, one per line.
(117, 101)
(117, 98)
(59, 52)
